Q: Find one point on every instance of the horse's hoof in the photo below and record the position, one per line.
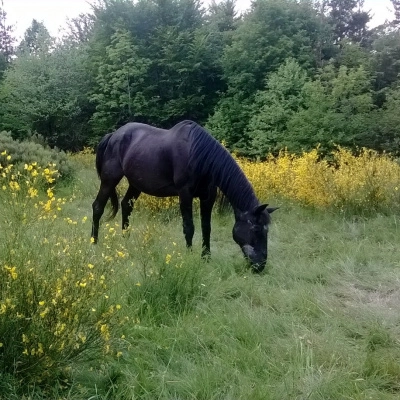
(206, 255)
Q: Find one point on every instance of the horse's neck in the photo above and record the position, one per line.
(237, 189)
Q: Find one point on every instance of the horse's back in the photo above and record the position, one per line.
(153, 160)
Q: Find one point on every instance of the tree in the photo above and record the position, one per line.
(181, 75)
(46, 93)
(118, 95)
(274, 107)
(349, 21)
(335, 111)
(79, 28)
(36, 39)
(385, 124)
(270, 33)
(6, 41)
(396, 8)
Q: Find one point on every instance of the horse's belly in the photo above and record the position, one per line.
(154, 188)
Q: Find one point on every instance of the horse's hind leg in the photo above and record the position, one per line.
(206, 205)
(106, 190)
(127, 205)
(186, 206)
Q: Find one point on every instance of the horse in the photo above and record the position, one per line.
(184, 161)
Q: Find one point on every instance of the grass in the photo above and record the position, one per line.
(321, 323)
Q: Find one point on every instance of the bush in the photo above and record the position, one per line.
(55, 304)
(27, 152)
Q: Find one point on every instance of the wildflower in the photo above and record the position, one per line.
(40, 349)
(32, 192)
(14, 186)
(90, 266)
(168, 258)
(105, 333)
(11, 271)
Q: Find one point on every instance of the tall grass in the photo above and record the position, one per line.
(146, 319)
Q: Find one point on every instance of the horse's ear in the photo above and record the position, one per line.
(272, 209)
(259, 209)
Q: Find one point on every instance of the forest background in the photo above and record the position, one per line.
(284, 74)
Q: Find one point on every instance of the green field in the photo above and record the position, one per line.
(322, 322)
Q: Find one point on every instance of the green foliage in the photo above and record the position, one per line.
(51, 87)
(160, 62)
(6, 41)
(120, 77)
(270, 33)
(384, 124)
(54, 307)
(274, 107)
(335, 112)
(321, 323)
(36, 39)
(27, 152)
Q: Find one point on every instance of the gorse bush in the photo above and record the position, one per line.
(27, 152)
(352, 182)
(55, 303)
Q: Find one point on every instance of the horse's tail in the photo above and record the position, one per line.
(101, 148)
(114, 204)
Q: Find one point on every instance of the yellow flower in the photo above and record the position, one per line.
(11, 271)
(32, 192)
(14, 186)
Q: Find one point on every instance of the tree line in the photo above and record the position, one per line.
(284, 74)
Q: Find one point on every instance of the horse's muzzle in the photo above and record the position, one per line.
(257, 260)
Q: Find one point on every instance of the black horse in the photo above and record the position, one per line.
(184, 161)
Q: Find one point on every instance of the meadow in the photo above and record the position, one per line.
(137, 316)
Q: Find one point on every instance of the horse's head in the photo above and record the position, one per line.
(250, 232)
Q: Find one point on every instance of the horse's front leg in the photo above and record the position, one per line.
(98, 206)
(206, 205)
(186, 206)
(127, 203)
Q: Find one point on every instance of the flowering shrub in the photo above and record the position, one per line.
(29, 152)
(367, 180)
(55, 294)
(355, 182)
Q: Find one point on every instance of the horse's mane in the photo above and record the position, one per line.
(209, 158)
